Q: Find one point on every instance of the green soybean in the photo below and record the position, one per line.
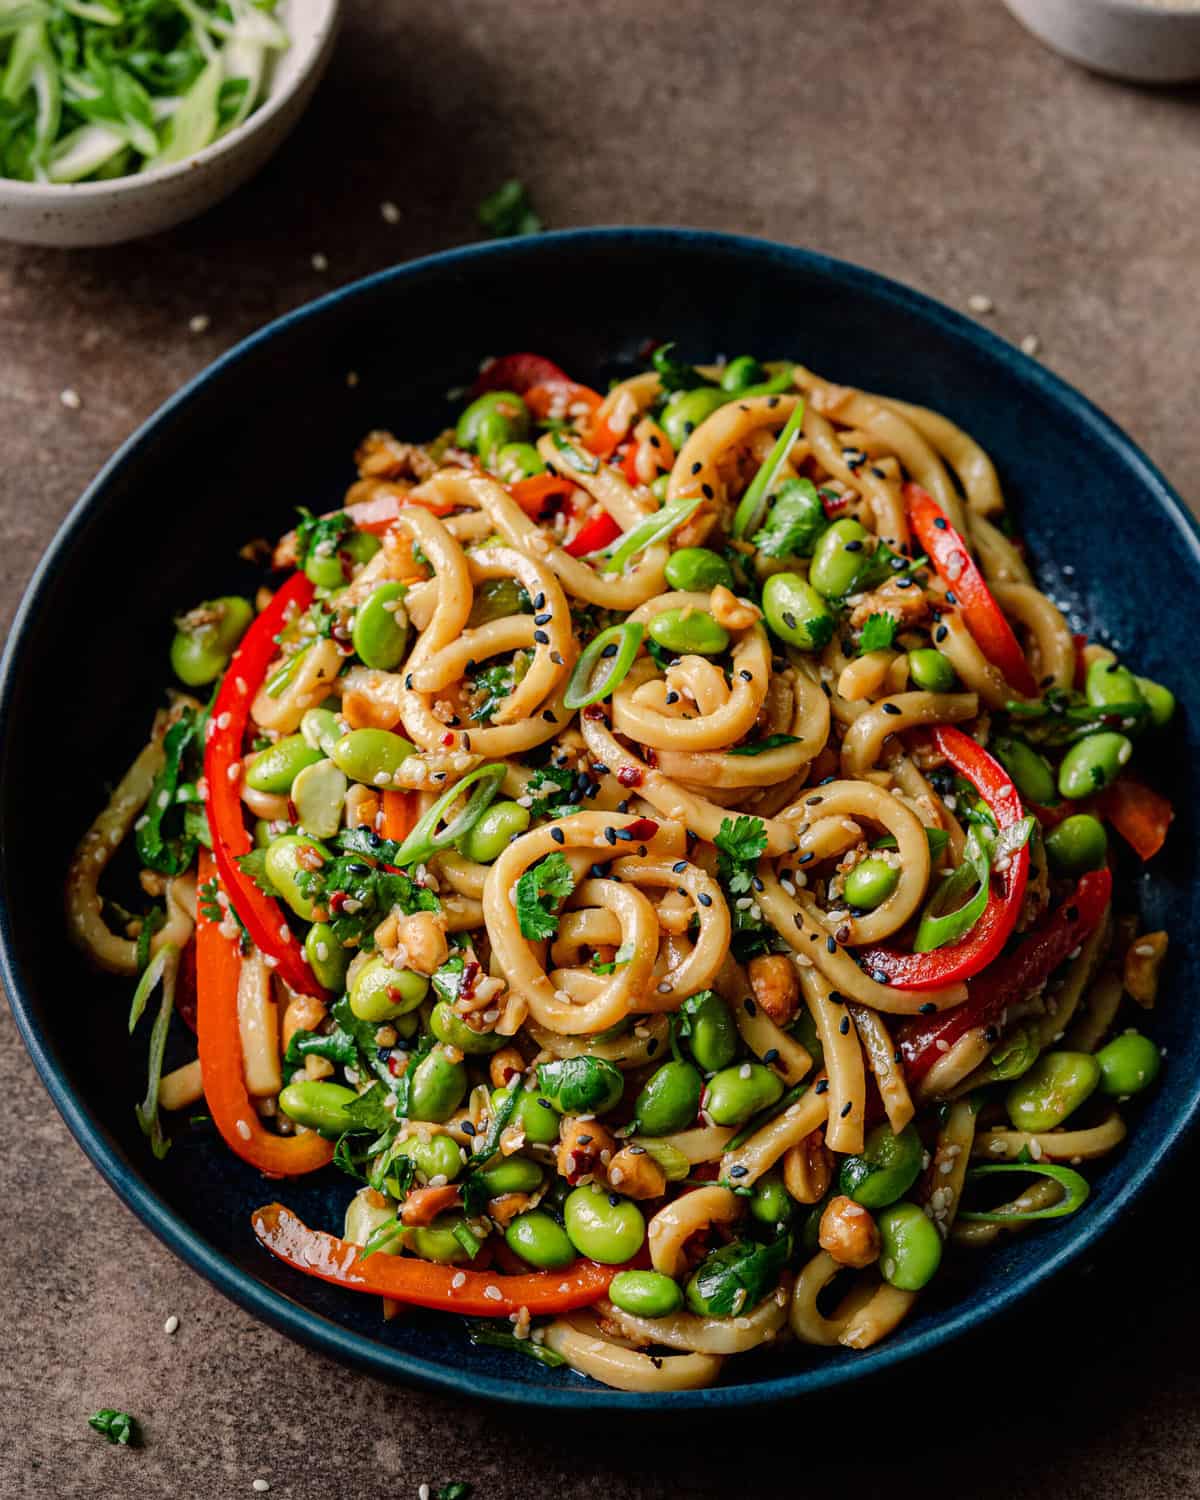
(796, 612)
(689, 631)
(910, 1247)
(1158, 699)
(319, 1106)
(669, 1100)
(1109, 683)
(380, 631)
(381, 993)
(1031, 772)
(540, 1241)
(839, 558)
(437, 1156)
(492, 421)
(331, 570)
(712, 1032)
(449, 1027)
(1079, 843)
(581, 1085)
(645, 1294)
(1055, 1087)
(870, 883)
(322, 729)
(438, 1087)
(931, 671)
(364, 1215)
(516, 1174)
(1092, 764)
(1128, 1064)
(886, 1168)
(326, 956)
(685, 410)
(285, 872)
(493, 833)
(696, 570)
(371, 756)
(515, 461)
(534, 1113)
(275, 768)
(771, 1203)
(319, 794)
(603, 1226)
(200, 652)
(734, 1094)
(438, 1242)
(741, 373)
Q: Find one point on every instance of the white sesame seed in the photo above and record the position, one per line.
(493, 1294)
(171, 1325)
(70, 398)
(243, 1130)
(978, 303)
(199, 323)
(320, 262)
(423, 1492)
(1031, 345)
(261, 1486)
(389, 212)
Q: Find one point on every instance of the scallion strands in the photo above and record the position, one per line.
(1074, 1186)
(627, 637)
(163, 966)
(425, 839)
(653, 529)
(753, 504)
(939, 926)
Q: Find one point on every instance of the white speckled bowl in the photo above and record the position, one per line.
(1125, 39)
(125, 208)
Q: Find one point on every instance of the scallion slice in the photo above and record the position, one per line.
(752, 507)
(425, 839)
(627, 637)
(163, 966)
(1076, 1192)
(653, 529)
(940, 922)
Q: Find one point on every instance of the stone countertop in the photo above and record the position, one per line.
(930, 139)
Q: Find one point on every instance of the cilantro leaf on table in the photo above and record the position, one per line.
(540, 891)
(508, 211)
(116, 1426)
(878, 633)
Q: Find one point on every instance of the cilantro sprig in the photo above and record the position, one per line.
(540, 892)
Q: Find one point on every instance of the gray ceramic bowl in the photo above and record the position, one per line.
(1142, 42)
(125, 208)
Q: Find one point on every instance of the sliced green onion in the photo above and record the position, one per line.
(936, 838)
(673, 1162)
(628, 637)
(483, 1333)
(752, 507)
(1076, 1192)
(163, 966)
(381, 1238)
(940, 922)
(653, 529)
(584, 463)
(470, 1242)
(425, 839)
(280, 678)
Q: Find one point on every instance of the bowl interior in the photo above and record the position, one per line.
(274, 426)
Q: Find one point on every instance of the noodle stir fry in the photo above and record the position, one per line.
(661, 848)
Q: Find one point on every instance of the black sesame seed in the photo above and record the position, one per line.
(822, 1086)
(928, 1009)
(707, 491)
(408, 681)
(541, 637)
(611, 835)
(879, 976)
(746, 676)
(696, 467)
(854, 546)
(614, 1199)
(789, 619)
(950, 599)
(672, 697)
(846, 1108)
(556, 658)
(844, 1028)
(813, 801)
(738, 1171)
(751, 1008)
(548, 716)
(679, 868)
(611, 649)
(704, 898)
(940, 634)
(558, 836)
(806, 859)
(540, 602)
(771, 1055)
(891, 708)
(469, 1129)
(830, 945)
(543, 619)
(941, 523)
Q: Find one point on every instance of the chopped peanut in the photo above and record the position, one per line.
(732, 612)
(368, 711)
(504, 1066)
(585, 1147)
(909, 606)
(423, 1205)
(316, 1068)
(808, 1168)
(776, 986)
(303, 1013)
(362, 807)
(507, 1206)
(381, 456)
(634, 1173)
(1143, 960)
(423, 938)
(848, 1233)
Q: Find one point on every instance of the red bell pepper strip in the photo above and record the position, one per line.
(218, 968)
(553, 398)
(1140, 815)
(629, 463)
(957, 570)
(381, 512)
(1012, 978)
(518, 372)
(593, 535)
(423, 1283)
(222, 775)
(399, 815)
(977, 949)
(535, 493)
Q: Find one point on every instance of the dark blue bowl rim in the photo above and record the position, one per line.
(321, 1333)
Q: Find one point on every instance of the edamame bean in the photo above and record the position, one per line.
(1128, 1064)
(603, 1226)
(438, 1156)
(688, 631)
(437, 1241)
(645, 1294)
(734, 1094)
(491, 421)
(326, 956)
(910, 1247)
(870, 883)
(796, 612)
(319, 794)
(449, 1027)
(366, 1212)
(516, 1174)
(371, 756)
(333, 569)
(496, 599)
(1093, 764)
(1158, 699)
(741, 373)
(534, 1113)
(713, 1033)
(1108, 682)
(290, 878)
(685, 410)
(1079, 843)
(380, 631)
(322, 729)
(275, 768)
(886, 1169)
(205, 639)
(381, 993)
(438, 1087)
(491, 836)
(931, 671)
(581, 1085)
(697, 570)
(516, 461)
(669, 1099)
(1031, 772)
(771, 1203)
(540, 1241)
(659, 488)
(319, 1106)
(840, 556)
(1055, 1087)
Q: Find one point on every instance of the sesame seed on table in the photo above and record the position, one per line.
(933, 140)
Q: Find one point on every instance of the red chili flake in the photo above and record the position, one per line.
(448, 739)
(651, 757)
(641, 828)
(630, 776)
(593, 711)
(470, 978)
(337, 900)
(394, 1066)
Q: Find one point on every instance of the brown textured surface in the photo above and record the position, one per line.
(930, 139)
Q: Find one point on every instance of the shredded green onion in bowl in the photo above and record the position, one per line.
(96, 89)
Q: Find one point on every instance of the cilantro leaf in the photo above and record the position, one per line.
(508, 211)
(738, 1276)
(547, 787)
(458, 1489)
(116, 1426)
(760, 747)
(358, 895)
(255, 865)
(169, 852)
(495, 683)
(673, 374)
(540, 891)
(323, 535)
(370, 1111)
(878, 633)
(795, 521)
(740, 843)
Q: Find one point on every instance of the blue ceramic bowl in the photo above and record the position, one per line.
(272, 425)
